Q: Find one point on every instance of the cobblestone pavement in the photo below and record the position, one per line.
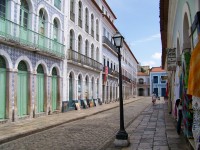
(154, 129)
(91, 133)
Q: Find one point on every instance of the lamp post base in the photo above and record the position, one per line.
(122, 139)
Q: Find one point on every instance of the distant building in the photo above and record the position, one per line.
(157, 82)
(143, 84)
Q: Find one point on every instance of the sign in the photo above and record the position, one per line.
(171, 59)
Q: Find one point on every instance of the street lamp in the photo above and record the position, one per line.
(121, 136)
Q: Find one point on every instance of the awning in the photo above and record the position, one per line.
(194, 73)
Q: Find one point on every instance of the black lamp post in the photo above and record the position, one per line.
(121, 136)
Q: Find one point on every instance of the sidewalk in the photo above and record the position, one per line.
(11, 131)
(154, 129)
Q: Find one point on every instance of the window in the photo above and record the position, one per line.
(92, 51)
(24, 11)
(104, 60)
(97, 30)
(80, 14)
(86, 21)
(104, 31)
(42, 22)
(155, 79)
(162, 79)
(97, 54)
(108, 63)
(92, 25)
(111, 65)
(114, 66)
(57, 4)
(86, 48)
(72, 14)
(79, 43)
(55, 30)
(71, 42)
(103, 9)
(3, 8)
(141, 81)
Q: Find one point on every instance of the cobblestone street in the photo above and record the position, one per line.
(91, 133)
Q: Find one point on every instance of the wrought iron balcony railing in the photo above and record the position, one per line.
(143, 83)
(80, 58)
(80, 22)
(109, 43)
(15, 33)
(72, 16)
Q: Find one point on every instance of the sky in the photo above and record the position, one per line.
(138, 21)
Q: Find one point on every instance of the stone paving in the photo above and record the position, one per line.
(154, 129)
(91, 132)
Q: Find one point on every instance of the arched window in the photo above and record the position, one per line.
(80, 14)
(42, 22)
(79, 43)
(55, 30)
(86, 48)
(97, 30)
(97, 54)
(86, 20)
(141, 81)
(92, 51)
(3, 8)
(24, 10)
(72, 14)
(57, 4)
(92, 25)
(71, 42)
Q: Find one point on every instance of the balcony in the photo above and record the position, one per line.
(82, 59)
(13, 33)
(126, 78)
(72, 16)
(79, 22)
(106, 41)
(143, 84)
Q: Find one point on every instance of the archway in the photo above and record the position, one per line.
(22, 89)
(54, 90)
(141, 92)
(71, 89)
(2, 88)
(40, 89)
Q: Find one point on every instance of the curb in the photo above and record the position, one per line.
(20, 135)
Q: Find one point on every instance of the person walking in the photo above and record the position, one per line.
(153, 98)
(180, 115)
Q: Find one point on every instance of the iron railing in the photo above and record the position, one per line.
(109, 43)
(18, 34)
(80, 58)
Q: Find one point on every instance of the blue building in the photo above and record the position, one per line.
(157, 81)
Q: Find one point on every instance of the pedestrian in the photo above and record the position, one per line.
(153, 98)
(180, 115)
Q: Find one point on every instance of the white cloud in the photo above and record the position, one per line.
(150, 38)
(156, 55)
(148, 63)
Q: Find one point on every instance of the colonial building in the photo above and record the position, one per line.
(143, 84)
(53, 55)
(179, 23)
(31, 58)
(157, 81)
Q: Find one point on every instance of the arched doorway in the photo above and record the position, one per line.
(40, 89)
(79, 87)
(22, 89)
(141, 92)
(71, 87)
(2, 88)
(86, 88)
(54, 90)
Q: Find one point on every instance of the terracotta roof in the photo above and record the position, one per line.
(142, 74)
(157, 69)
(164, 6)
(109, 8)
